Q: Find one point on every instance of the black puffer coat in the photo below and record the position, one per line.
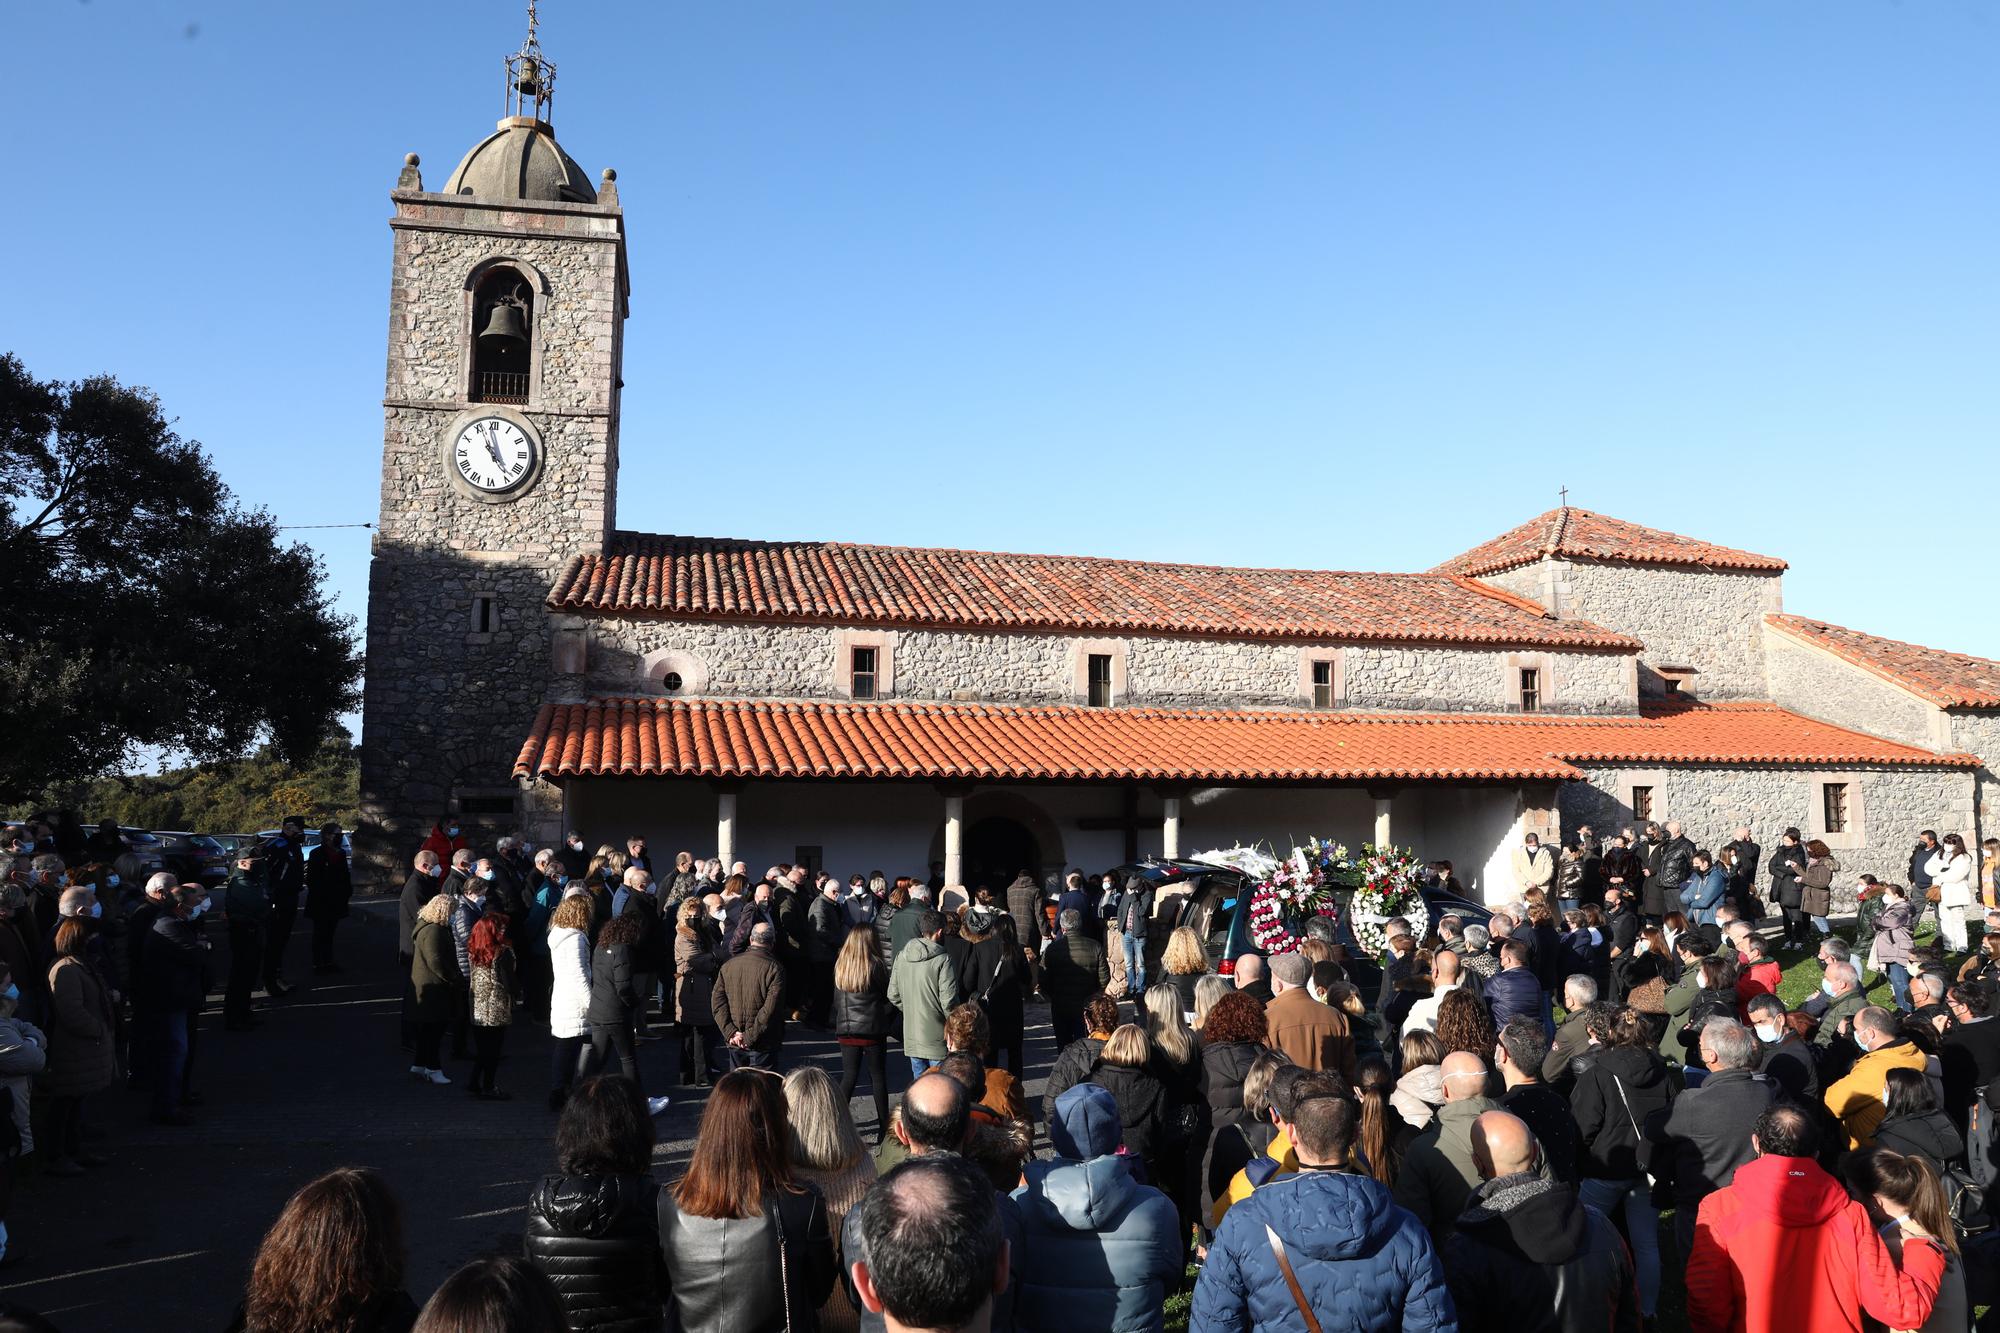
(1224, 1066)
(597, 1238)
(864, 1013)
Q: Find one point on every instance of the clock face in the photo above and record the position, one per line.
(493, 454)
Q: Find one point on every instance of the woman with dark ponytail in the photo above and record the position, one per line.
(1906, 1199)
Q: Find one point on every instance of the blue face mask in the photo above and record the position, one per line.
(1827, 986)
(488, 875)
(453, 830)
(12, 992)
(111, 881)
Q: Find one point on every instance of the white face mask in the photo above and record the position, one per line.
(1641, 946)
(1766, 1032)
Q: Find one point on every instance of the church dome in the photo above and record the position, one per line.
(521, 160)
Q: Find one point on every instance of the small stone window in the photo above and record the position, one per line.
(1099, 695)
(864, 664)
(1322, 684)
(1833, 798)
(1529, 682)
(485, 614)
(1642, 803)
(1531, 690)
(672, 682)
(861, 673)
(1837, 810)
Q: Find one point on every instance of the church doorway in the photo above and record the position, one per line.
(997, 849)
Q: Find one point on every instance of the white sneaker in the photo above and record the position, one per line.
(657, 1105)
(436, 1076)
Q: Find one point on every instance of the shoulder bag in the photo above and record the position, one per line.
(1291, 1280)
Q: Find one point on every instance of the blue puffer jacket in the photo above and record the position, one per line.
(1703, 893)
(1512, 993)
(1363, 1263)
(1101, 1248)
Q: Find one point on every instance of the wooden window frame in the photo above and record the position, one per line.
(1081, 651)
(1546, 684)
(1855, 835)
(1310, 660)
(884, 643)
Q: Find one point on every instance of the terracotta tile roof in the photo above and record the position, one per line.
(1578, 532)
(715, 578)
(779, 739)
(1949, 680)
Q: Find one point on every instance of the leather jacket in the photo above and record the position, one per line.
(724, 1274)
(595, 1238)
(863, 1013)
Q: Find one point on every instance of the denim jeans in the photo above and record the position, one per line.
(920, 1066)
(1135, 963)
(1823, 926)
(1642, 1228)
(1899, 984)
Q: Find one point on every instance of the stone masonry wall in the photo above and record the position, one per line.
(445, 708)
(1711, 802)
(1818, 684)
(1979, 733)
(799, 662)
(1710, 621)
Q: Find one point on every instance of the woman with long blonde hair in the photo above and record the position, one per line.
(1186, 962)
(862, 1020)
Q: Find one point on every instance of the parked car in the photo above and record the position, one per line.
(195, 857)
(145, 845)
(1216, 908)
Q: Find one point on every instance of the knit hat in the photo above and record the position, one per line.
(1291, 968)
(1085, 1124)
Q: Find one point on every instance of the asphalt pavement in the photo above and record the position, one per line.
(162, 1237)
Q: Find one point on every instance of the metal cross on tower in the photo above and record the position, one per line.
(531, 77)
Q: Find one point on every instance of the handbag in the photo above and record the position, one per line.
(1292, 1280)
(1649, 996)
(1933, 894)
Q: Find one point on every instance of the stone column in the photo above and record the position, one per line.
(1170, 827)
(725, 827)
(1384, 799)
(954, 837)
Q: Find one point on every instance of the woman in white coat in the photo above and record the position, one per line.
(569, 992)
(1950, 869)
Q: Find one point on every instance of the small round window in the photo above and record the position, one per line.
(671, 682)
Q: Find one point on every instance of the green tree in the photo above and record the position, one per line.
(146, 609)
(234, 796)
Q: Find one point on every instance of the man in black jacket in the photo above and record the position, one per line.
(826, 931)
(1528, 1253)
(285, 871)
(1518, 1054)
(1708, 1127)
(1135, 917)
(1671, 873)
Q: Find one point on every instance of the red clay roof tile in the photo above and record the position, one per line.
(1579, 532)
(721, 579)
(731, 738)
(1949, 680)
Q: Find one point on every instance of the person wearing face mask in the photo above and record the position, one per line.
(246, 902)
(329, 888)
(1858, 1100)
(175, 983)
(1788, 1059)
(467, 907)
(422, 885)
(546, 882)
(446, 839)
(23, 1054)
(573, 855)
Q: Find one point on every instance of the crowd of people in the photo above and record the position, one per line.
(1482, 1127)
(104, 966)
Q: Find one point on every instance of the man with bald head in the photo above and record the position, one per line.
(1250, 976)
(1528, 1253)
(1439, 1173)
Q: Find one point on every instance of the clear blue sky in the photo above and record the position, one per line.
(1304, 283)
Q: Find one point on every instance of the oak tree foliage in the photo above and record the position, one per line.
(140, 606)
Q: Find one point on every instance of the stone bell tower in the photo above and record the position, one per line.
(507, 303)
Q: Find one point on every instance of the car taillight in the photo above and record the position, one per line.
(1226, 968)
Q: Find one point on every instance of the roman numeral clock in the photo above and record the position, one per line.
(492, 454)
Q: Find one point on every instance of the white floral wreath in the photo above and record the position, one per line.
(1268, 930)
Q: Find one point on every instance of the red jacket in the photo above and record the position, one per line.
(443, 844)
(1756, 979)
(1783, 1249)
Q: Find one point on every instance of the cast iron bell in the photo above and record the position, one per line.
(504, 327)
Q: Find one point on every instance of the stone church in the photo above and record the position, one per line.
(533, 667)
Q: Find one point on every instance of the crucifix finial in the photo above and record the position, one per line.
(1563, 491)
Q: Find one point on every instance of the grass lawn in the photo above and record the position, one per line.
(1802, 978)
